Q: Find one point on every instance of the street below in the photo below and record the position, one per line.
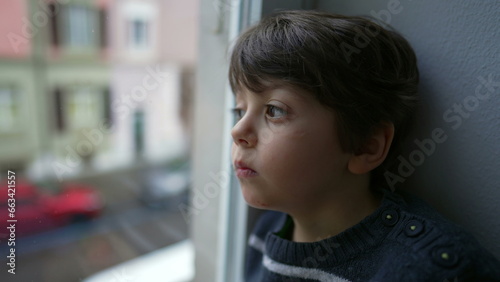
(127, 229)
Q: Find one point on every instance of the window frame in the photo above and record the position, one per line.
(233, 208)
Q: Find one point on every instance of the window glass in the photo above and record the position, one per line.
(83, 108)
(80, 26)
(141, 20)
(94, 145)
(138, 35)
(8, 110)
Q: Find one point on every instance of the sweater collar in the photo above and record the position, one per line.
(355, 240)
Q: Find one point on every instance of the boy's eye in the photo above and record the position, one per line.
(275, 112)
(238, 113)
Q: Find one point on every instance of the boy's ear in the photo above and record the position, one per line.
(374, 150)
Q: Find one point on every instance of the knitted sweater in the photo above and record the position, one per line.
(403, 240)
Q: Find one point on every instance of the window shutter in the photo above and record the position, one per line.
(108, 116)
(54, 28)
(103, 14)
(59, 111)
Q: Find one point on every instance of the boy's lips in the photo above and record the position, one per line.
(242, 170)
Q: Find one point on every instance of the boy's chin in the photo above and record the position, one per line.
(255, 201)
(259, 206)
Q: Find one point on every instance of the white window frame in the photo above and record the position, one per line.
(233, 213)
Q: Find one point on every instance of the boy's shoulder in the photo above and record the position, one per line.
(433, 243)
(405, 238)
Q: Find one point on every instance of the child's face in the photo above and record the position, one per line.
(286, 151)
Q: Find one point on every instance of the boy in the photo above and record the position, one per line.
(323, 102)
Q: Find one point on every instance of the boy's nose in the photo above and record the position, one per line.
(243, 133)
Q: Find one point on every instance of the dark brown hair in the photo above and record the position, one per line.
(366, 73)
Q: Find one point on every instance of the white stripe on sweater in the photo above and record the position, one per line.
(256, 243)
(300, 272)
(290, 270)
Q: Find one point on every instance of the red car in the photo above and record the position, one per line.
(37, 210)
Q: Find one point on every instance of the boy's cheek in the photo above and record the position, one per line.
(297, 134)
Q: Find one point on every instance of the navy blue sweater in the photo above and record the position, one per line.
(403, 240)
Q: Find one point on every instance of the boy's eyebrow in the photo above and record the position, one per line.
(294, 91)
(272, 86)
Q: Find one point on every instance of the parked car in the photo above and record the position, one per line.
(166, 187)
(40, 209)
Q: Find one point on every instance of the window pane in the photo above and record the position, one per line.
(97, 141)
(138, 36)
(80, 26)
(8, 110)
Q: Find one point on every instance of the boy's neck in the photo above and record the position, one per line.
(342, 212)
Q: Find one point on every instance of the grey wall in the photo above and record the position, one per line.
(457, 45)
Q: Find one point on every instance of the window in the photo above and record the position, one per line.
(80, 26)
(140, 19)
(105, 133)
(83, 108)
(80, 107)
(138, 35)
(9, 110)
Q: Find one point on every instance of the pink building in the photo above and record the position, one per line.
(15, 41)
(152, 59)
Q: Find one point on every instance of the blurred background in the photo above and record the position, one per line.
(95, 107)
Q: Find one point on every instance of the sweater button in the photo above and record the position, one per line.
(413, 228)
(390, 217)
(444, 257)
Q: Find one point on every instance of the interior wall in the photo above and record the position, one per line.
(456, 43)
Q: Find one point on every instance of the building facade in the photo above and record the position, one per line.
(87, 86)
